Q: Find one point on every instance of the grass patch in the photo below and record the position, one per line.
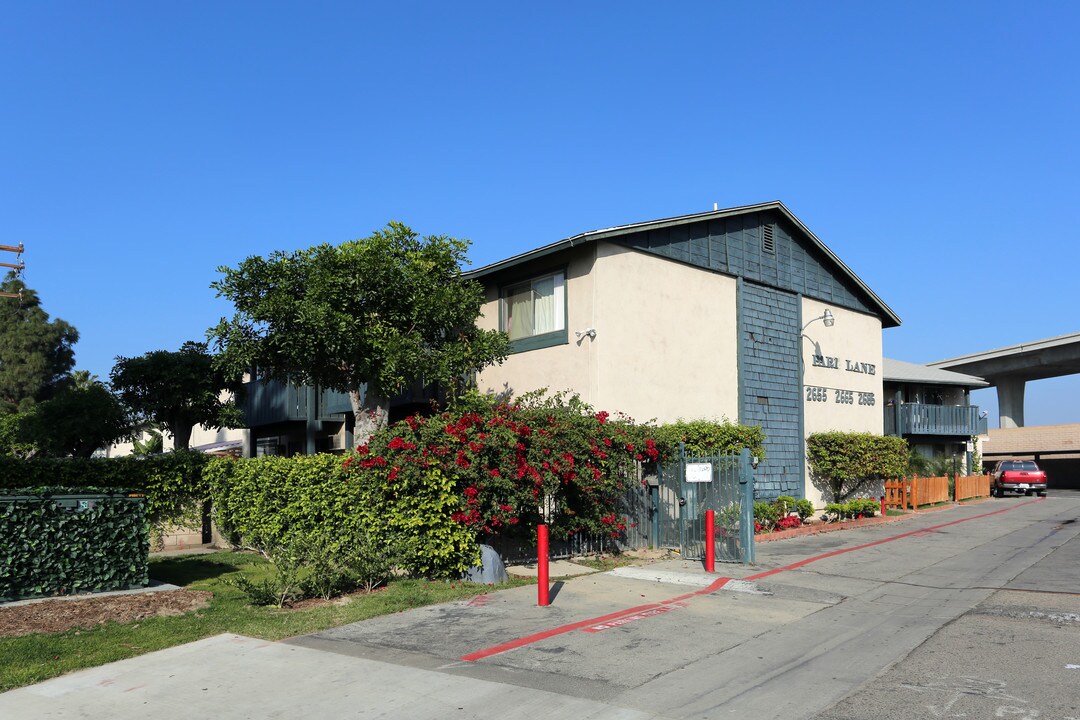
(33, 658)
(893, 512)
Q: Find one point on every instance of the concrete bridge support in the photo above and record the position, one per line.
(1010, 392)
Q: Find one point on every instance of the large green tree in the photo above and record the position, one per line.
(367, 317)
(35, 353)
(177, 390)
(78, 420)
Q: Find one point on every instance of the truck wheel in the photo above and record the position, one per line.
(1042, 493)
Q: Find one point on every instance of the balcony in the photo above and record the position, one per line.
(268, 402)
(919, 419)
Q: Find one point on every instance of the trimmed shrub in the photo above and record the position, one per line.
(431, 489)
(843, 463)
(860, 507)
(708, 437)
(52, 547)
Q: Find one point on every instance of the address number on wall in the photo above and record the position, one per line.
(840, 397)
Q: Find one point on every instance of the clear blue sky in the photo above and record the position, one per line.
(932, 146)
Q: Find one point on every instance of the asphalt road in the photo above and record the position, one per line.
(969, 612)
(1015, 655)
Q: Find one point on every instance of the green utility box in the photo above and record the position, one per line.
(59, 543)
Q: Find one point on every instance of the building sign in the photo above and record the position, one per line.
(839, 396)
(833, 363)
(699, 472)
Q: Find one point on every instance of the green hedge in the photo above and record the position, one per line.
(49, 549)
(274, 504)
(172, 483)
(708, 437)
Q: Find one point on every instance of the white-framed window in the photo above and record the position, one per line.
(535, 307)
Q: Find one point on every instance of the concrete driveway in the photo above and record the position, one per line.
(818, 618)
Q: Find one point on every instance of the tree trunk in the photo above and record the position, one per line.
(370, 413)
(182, 436)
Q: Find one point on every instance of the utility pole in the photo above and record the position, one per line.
(17, 266)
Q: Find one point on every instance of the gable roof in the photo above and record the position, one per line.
(888, 317)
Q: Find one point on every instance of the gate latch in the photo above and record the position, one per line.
(682, 502)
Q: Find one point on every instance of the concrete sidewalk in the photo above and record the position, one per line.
(232, 677)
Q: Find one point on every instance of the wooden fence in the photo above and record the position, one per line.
(972, 486)
(929, 491)
(917, 492)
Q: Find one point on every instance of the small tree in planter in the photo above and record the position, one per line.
(845, 464)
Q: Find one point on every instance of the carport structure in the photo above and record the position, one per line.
(1010, 368)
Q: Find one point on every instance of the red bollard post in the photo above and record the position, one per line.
(710, 541)
(882, 506)
(542, 598)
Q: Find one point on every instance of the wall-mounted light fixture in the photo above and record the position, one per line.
(827, 317)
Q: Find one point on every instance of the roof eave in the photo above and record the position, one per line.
(889, 318)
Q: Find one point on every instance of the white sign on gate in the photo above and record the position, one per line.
(699, 472)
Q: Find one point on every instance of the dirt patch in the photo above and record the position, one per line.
(54, 616)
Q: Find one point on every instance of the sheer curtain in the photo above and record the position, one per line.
(519, 322)
(536, 307)
(544, 299)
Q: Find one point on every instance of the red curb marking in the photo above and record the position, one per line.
(719, 583)
(537, 637)
(921, 531)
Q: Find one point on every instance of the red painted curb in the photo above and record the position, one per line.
(834, 553)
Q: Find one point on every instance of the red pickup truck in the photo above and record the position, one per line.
(1018, 476)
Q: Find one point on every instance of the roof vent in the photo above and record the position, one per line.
(768, 245)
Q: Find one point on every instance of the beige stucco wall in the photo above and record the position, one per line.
(558, 368)
(665, 344)
(853, 339)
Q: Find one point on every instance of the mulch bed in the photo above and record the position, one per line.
(54, 616)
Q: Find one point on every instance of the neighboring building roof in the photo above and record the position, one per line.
(1037, 439)
(890, 318)
(220, 446)
(905, 372)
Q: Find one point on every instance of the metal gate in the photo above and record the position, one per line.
(687, 487)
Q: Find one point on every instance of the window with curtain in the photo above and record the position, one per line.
(535, 307)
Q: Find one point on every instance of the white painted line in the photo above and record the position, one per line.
(684, 578)
(664, 576)
(745, 586)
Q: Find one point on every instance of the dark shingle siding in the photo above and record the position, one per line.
(770, 332)
(733, 246)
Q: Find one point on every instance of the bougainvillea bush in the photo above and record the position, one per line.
(502, 467)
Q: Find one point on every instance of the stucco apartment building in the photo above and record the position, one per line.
(741, 313)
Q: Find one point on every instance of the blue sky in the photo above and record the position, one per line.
(932, 146)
